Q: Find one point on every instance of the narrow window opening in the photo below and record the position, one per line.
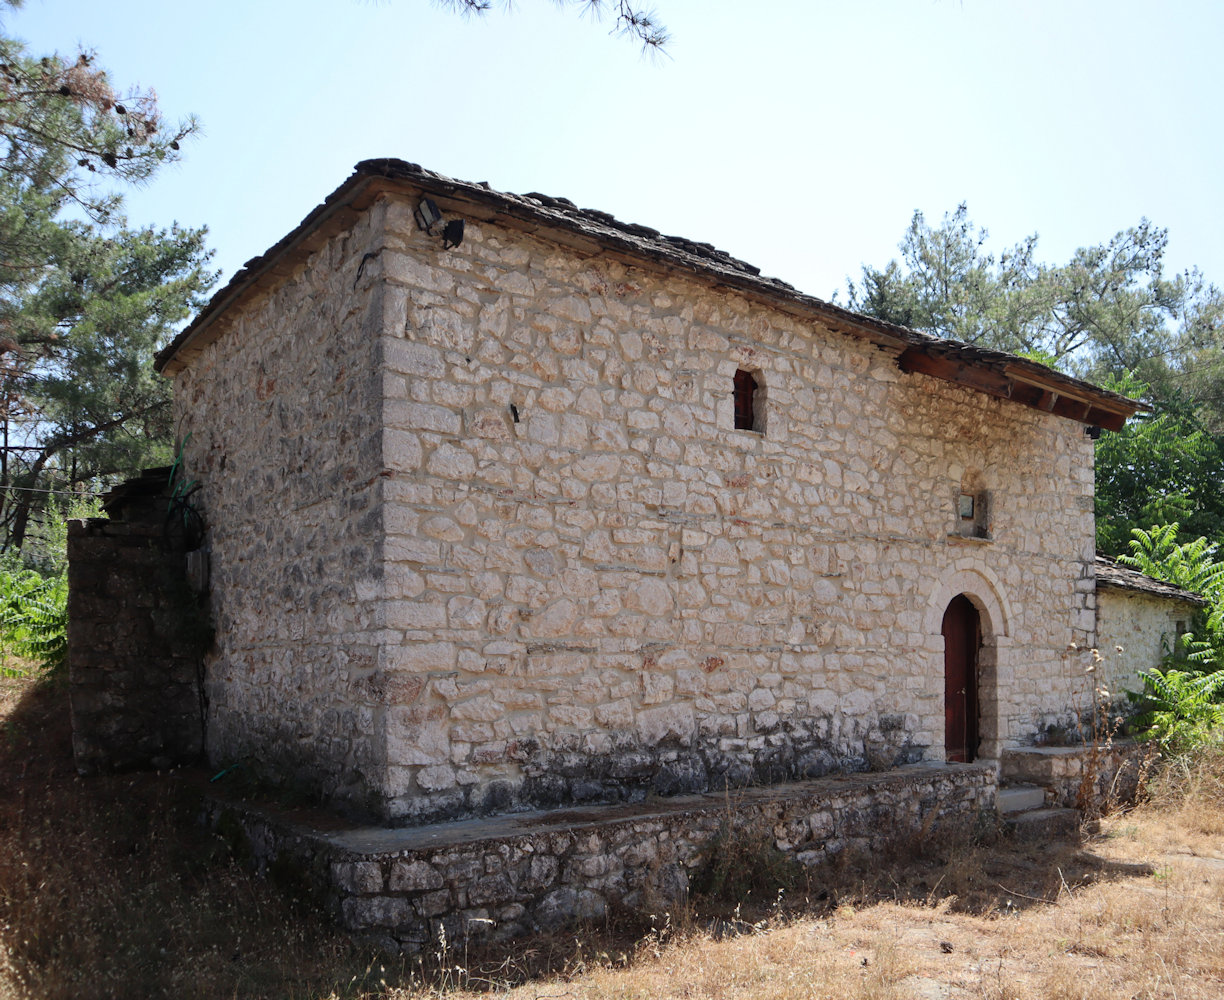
(981, 513)
(1179, 642)
(973, 507)
(745, 401)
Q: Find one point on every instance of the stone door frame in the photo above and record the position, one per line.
(985, 593)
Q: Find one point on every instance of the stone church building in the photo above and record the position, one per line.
(511, 504)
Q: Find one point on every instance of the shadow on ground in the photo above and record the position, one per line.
(109, 888)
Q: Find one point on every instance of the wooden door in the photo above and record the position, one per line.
(962, 633)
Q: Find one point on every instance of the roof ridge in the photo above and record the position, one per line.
(992, 372)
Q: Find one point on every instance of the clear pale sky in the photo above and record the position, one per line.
(800, 136)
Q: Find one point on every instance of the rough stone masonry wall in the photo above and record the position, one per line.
(429, 607)
(1134, 630)
(541, 872)
(284, 413)
(596, 588)
(133, 669)
(1096, 777)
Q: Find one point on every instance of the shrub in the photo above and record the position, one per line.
(742, 864)
(33, 619)
(1179, 709)
(1180, 704)
(1192, 566)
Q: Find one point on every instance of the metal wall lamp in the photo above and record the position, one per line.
(427, 216)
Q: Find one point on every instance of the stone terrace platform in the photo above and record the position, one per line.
(514, 874)
(1072, 775)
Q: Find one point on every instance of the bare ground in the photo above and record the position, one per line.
(109, 889)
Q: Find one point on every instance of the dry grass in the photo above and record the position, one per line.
(108, 889)
(1190, 800)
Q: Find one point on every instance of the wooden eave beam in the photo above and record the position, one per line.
(1005, 386)
(949, 370)
(1095, 412)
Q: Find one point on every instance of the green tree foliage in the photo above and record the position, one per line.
(1163, 467)
(1110, 315)
(1190, 565)
(1199, 374)
(1179, 709)
(85, 299)
(1180, 704)
(33, 619)
(1110, 309)
(1193, 566)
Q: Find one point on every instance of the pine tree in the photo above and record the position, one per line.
(85, 299)
(628, 18)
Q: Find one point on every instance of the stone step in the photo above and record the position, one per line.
(1019, 798)
(1044, 824)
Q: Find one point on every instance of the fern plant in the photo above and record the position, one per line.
(1192, 566)
(33, 619)
(1178, 708)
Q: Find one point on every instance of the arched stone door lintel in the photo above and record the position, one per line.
(982, 587)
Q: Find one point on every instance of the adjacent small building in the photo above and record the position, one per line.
(512, 504)
(1139, 622)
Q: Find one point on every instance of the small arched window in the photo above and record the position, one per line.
(746, 401)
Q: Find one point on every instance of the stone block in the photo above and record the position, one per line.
(414, 876)
(364, 877)
(359, 913)
(415, 740)
(673, 724)
(541, 872)
(433, 904)
(492, 890)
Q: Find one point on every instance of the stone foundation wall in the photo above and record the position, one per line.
(133, 669)
(508, 877)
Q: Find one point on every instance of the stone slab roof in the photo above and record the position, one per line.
(589, 231)
(1111, 574)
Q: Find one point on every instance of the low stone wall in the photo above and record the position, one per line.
(1113, 773)
(512, 875)
(133, 660)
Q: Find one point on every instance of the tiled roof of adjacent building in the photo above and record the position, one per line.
(588, 230)
(1110, 574)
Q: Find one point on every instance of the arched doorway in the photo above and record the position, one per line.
(962, 634)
